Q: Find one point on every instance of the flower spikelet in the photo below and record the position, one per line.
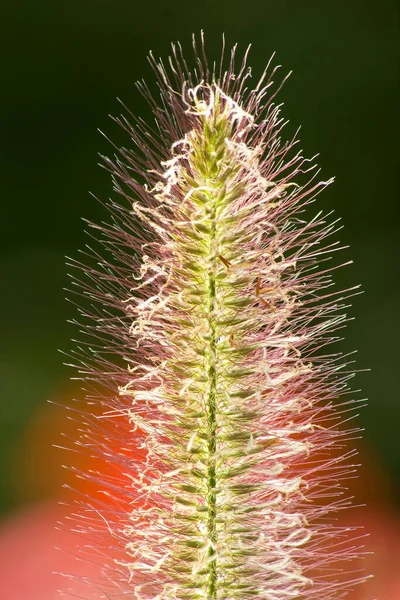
(220, 407)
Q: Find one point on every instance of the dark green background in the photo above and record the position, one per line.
(63, 63)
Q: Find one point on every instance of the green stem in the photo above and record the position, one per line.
(212, 419)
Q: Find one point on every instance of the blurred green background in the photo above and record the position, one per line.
(64, 64)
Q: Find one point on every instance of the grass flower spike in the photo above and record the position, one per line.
(220, 407)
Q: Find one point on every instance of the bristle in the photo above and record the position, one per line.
(211, 313)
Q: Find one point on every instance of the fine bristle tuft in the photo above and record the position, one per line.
(213, 394)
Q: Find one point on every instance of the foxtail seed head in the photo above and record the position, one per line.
(219, 409)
